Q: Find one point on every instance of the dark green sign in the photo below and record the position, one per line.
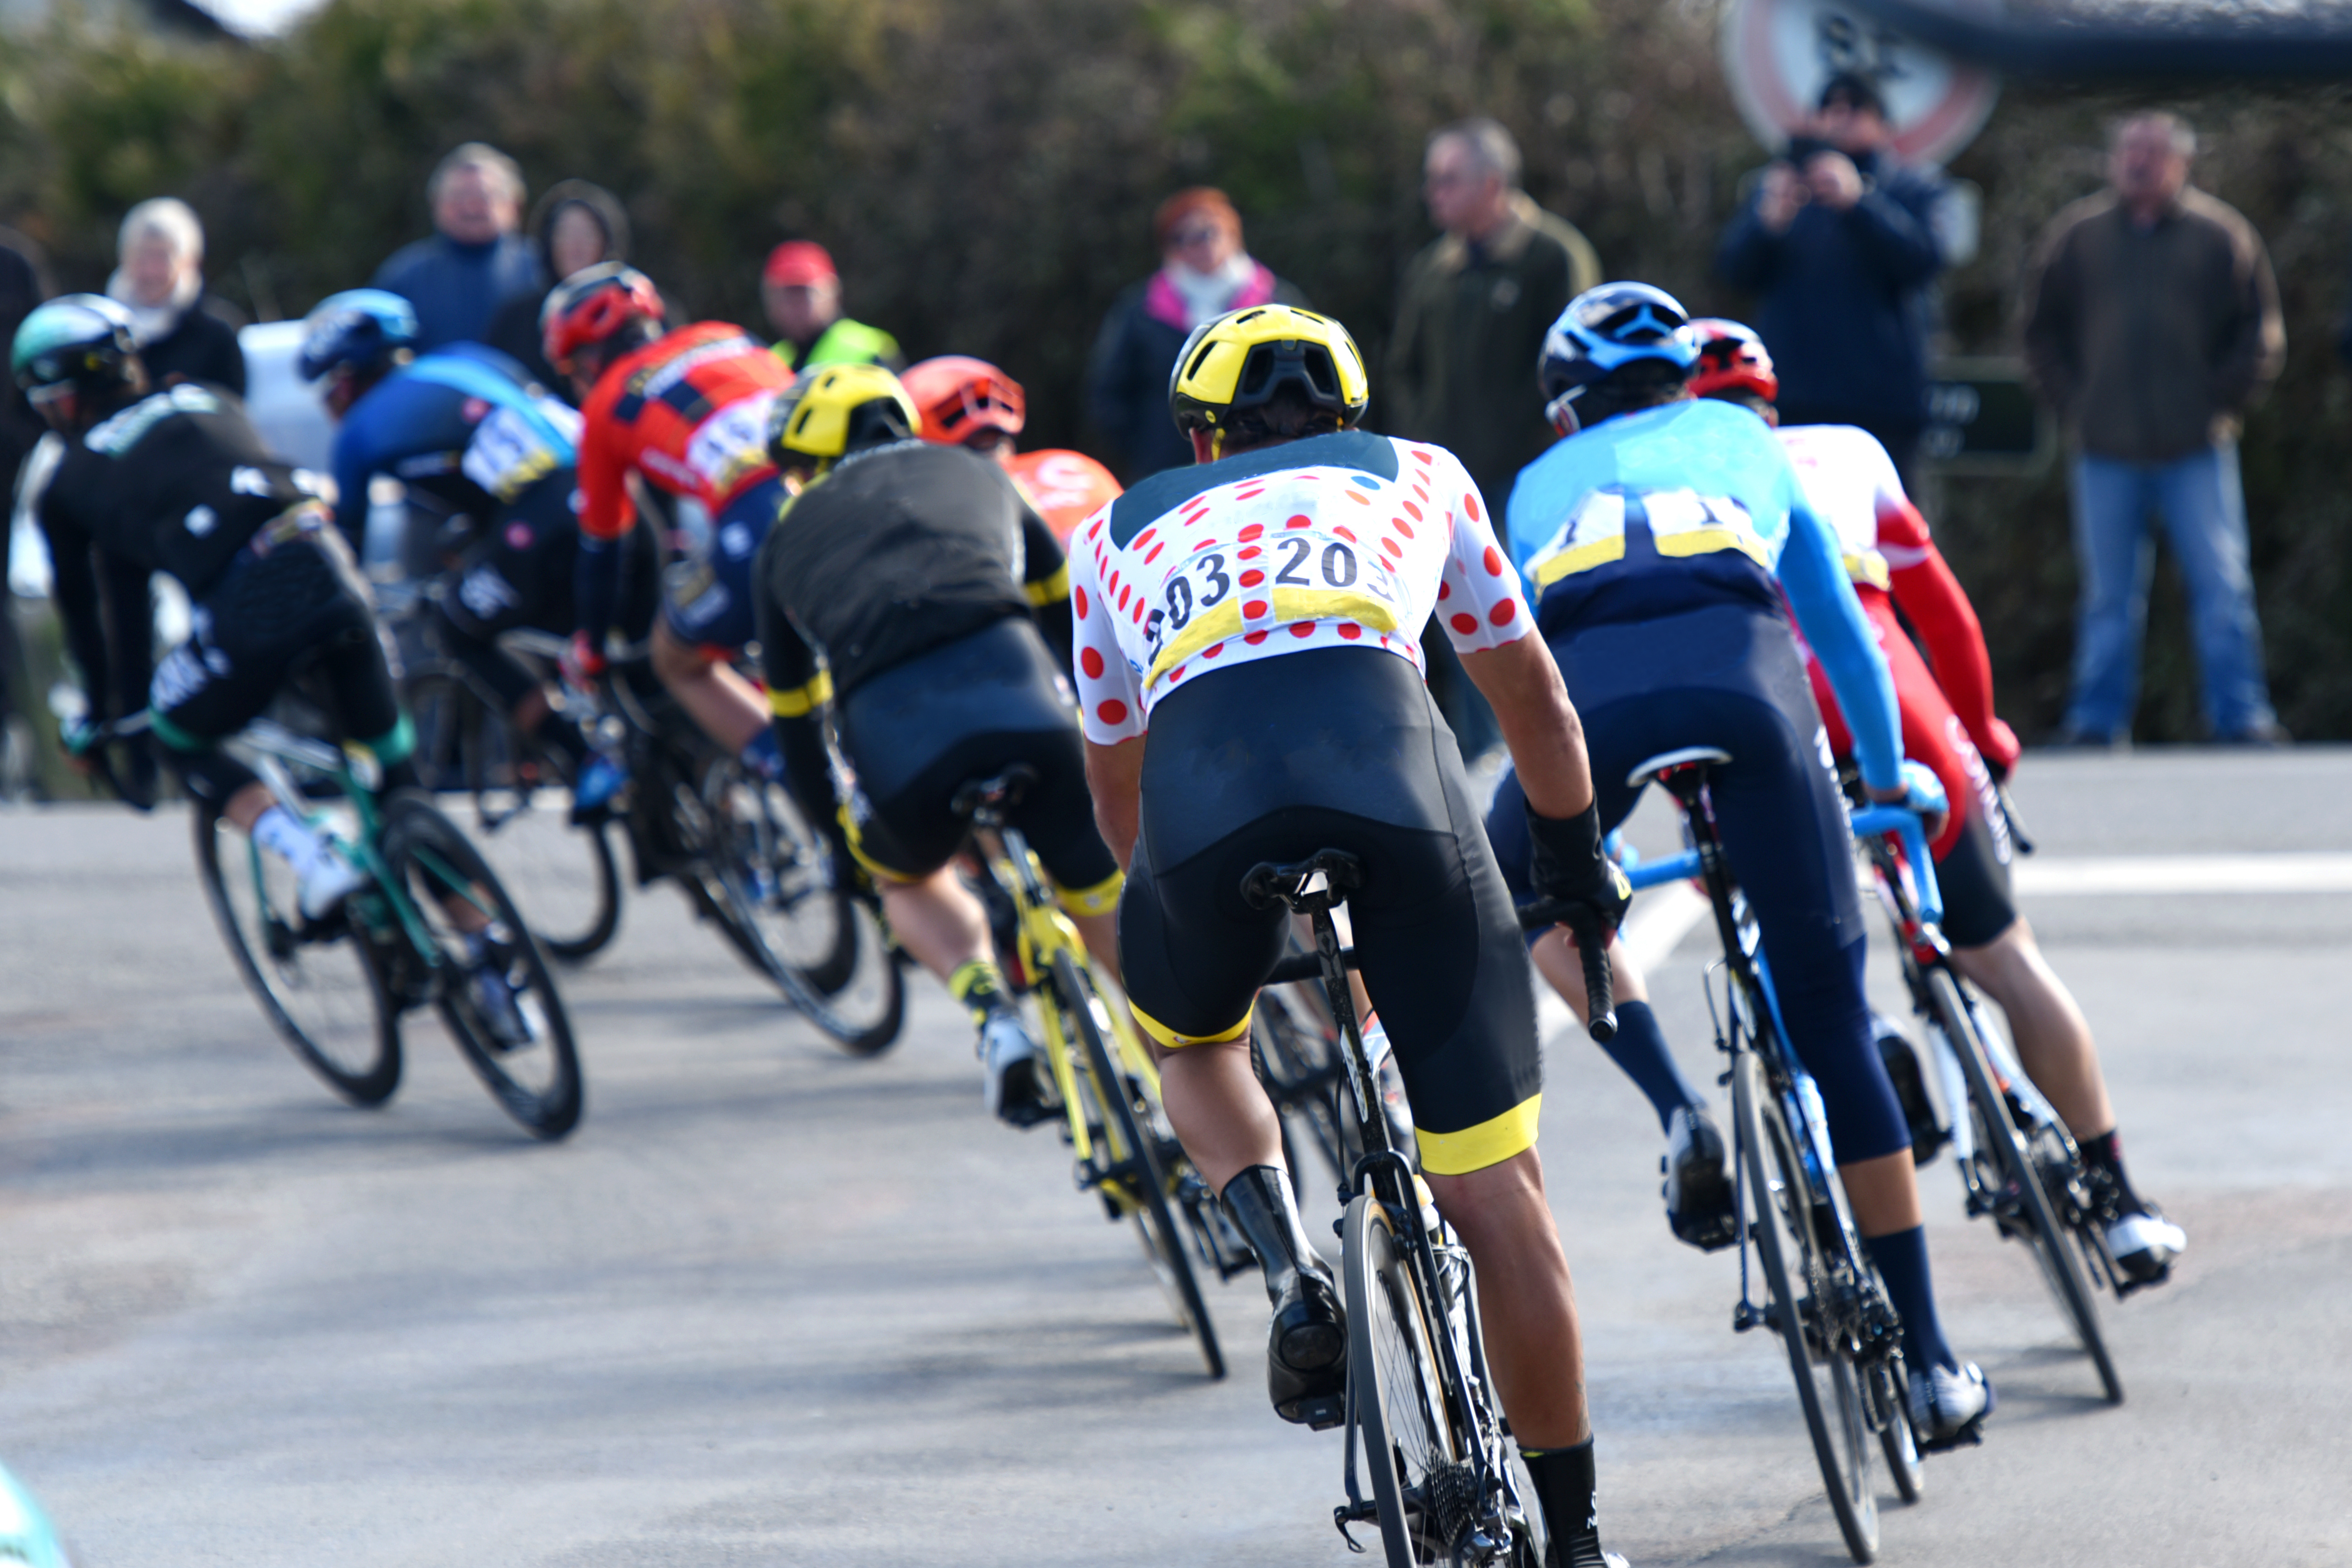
(1981, 419)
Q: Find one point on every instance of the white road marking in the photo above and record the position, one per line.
(1661, 917)
(2040, 876)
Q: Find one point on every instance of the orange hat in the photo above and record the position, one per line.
(798, 263)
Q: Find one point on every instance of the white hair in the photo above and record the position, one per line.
(499, 169)
(167, 219)
(2184, 135)
(1491, 148)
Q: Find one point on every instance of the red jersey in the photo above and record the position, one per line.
(689, 412)
(1065, 488)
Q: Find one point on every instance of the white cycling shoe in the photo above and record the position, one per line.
(1009, 1057)
(327, 881)
(2144, 1245)
(1949, 1407)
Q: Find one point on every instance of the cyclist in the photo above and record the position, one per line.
(1660, 534)
(970, 403)
(1260, 614)
(905, 586)
(464, 426)
(178, 481)
(687, 414)
(1948, 724)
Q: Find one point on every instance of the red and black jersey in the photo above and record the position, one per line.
(689, 412)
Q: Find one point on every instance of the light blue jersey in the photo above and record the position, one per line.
(1625, 520)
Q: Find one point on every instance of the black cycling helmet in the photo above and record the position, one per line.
(75, 348)
(1604, 331)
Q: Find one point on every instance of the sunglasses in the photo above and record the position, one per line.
(1185, 238)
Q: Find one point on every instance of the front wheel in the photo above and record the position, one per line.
(519, 1045)
(321, 985)
(1144, 1183)
(1781, 1200)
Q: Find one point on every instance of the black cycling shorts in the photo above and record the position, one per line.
(1336, 749)
(1974, 880)
(967, 710)
(275, 606)
(1731, 677)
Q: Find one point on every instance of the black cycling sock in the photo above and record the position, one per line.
(1640, 1052)
(1564, 1488)
(1263, 1207)
(1902, 1260)
(2104, 1153)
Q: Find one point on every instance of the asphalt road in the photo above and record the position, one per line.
(774, 1306)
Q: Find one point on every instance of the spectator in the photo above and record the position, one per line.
(1839, 245)
(576, 225)
(802, 293)
(1470, 328)
(1203, 273)
(474, 261)
(182, 332)
(2152, 322)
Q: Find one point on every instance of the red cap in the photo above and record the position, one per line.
(798, 263)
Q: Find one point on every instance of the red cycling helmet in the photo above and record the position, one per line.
(593, 305)
(960, 396)
(1731, 358)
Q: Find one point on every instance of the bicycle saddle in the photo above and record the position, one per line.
(1665, 762)
(993, 796)
(1267, 884)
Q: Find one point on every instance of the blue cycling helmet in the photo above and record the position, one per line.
(1604, 331)
(361, 328)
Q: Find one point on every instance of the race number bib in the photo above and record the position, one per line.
(730, 444)
(511, 452)
(1268, 579)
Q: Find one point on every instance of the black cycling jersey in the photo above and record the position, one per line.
(900, 549)
(177, 482)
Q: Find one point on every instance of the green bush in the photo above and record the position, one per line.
(984, 171)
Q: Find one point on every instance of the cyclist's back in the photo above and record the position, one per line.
(417, 422)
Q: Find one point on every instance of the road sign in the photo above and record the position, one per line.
(1981, 419)
(1778, 52)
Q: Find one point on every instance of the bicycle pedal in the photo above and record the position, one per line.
(1317, 1413)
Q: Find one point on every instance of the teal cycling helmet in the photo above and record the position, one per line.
(359, 328)
(1604, 331)
(76, 345)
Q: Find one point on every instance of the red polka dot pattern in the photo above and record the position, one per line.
(1302, 628)
(1112, 711)
(1504, 613)
(1254, 608)
(1351, 631)
(1091, 661)
(1492, 561)
(1252, 578)
(1079, 599)
(1465, 624)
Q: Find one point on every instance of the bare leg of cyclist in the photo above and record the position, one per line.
(1526, 1301)
(939, 921)
(2053, 1038)
(1220, 1110)
(727, 706)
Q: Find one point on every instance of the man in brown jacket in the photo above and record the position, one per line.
(1470, 328)
(2152, 323)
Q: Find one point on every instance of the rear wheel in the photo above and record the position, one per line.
(564, 876)
(1424, 1486)
(1143, 1181)
(1297, 1061)
(530, 1068)
(323, 987)
(1781, 1198)
(2022, 1203)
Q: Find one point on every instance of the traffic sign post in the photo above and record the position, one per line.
(1778, 55)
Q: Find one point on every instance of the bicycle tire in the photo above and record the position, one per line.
(466, 745)
(1397, 1389)
(1900, 1445)
(1779, 1197)
(351, 1038)
(430, 855)
(2054, 1252)
(1288, 1052)
(1163, 1243)
(801, 918)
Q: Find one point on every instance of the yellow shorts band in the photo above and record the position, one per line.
(1100, 899)
(1056, 586)
(1174, 1041)
(880, 872)
(1489, 1143)
(800, 701)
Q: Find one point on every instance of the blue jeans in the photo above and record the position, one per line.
(2204, 511)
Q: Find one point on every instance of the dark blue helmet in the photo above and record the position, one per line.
(361, 328)
(1606, 329)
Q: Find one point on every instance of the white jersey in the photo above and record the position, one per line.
(1340, 540)
(1851, 485)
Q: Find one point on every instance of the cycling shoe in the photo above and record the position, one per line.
(2142, 1244)
(493, 993)
(1015, 1095)
(1949, 1407)
(1307, 1352)
(1698, 1190)
(600, 780)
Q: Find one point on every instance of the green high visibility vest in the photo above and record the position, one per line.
(844, 343)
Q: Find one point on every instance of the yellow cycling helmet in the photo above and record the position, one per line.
(835, 409)
(1238, 361)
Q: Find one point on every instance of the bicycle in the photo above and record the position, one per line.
(1823, 1297)
(336, 989)
(2017, 1163)
(1105, 1081)
(1448, 1485)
